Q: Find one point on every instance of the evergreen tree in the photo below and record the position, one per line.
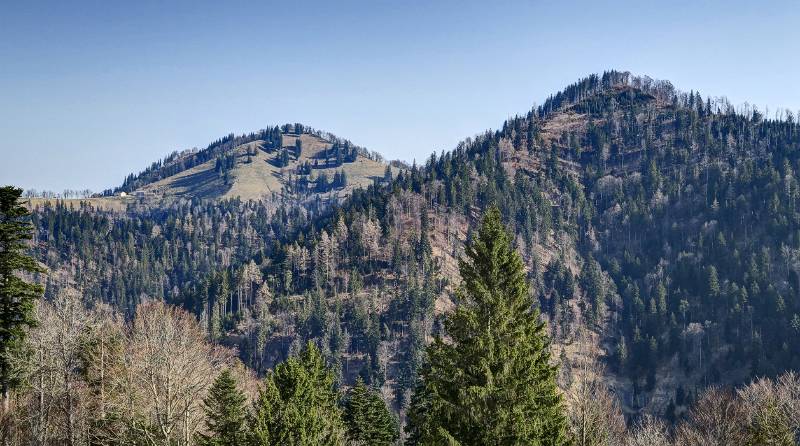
(424, 249)
(368, 420)
(298, 405)
(419, 425)
(713, 281)
(225, 412)
(322, 183)
(283, 161)
(492, 381)
(17, 296)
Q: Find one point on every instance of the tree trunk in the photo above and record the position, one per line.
(102, 379)
(6, 401)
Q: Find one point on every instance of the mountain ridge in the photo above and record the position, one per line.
(656, 228)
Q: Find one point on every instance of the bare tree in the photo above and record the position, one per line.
(716, 419)
(249, 281)
(788, 386)
(649, 431)
(58, 405)
(594, 414)
(168, 367)
(95, 381)
(772, 409)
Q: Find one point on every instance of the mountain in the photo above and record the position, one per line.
(293, 162)
(660, 231)
(290, 162)
(300, 164)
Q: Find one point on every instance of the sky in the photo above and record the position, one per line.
(92, 91)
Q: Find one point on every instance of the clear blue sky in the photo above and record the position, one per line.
(90, 91)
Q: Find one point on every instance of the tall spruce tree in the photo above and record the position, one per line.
(17, 296)
(226, 413)
(368, 420)
(418, 427)
(298, 405)
(491, 381)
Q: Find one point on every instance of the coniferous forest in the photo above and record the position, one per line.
(618, 266)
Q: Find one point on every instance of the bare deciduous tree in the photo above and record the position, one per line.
(772, 409)
(59, 403)
(649, 431)
(716, 419)
(167, 370)
(594, 414)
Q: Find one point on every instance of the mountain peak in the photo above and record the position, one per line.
(609, 83)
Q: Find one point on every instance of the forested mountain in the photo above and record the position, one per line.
(659, 230)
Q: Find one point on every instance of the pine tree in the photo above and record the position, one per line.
(491, 382)
(298, 405)
(225, 412)
(368, 420)
(17, 296)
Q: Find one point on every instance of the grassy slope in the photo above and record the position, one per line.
(261, 177)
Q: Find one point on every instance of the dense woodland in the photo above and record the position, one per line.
(82, 375)
(659, 233)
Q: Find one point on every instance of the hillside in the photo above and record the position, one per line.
(288, 162)
(659, 229)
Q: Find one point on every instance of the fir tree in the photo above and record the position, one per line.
(491, 382)
(225, 412)
(284, 159)
(424, 249)
(387, 174)
(17, 296)
(368, 420)
(713, 281)
(298, 405)
(419, 423)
